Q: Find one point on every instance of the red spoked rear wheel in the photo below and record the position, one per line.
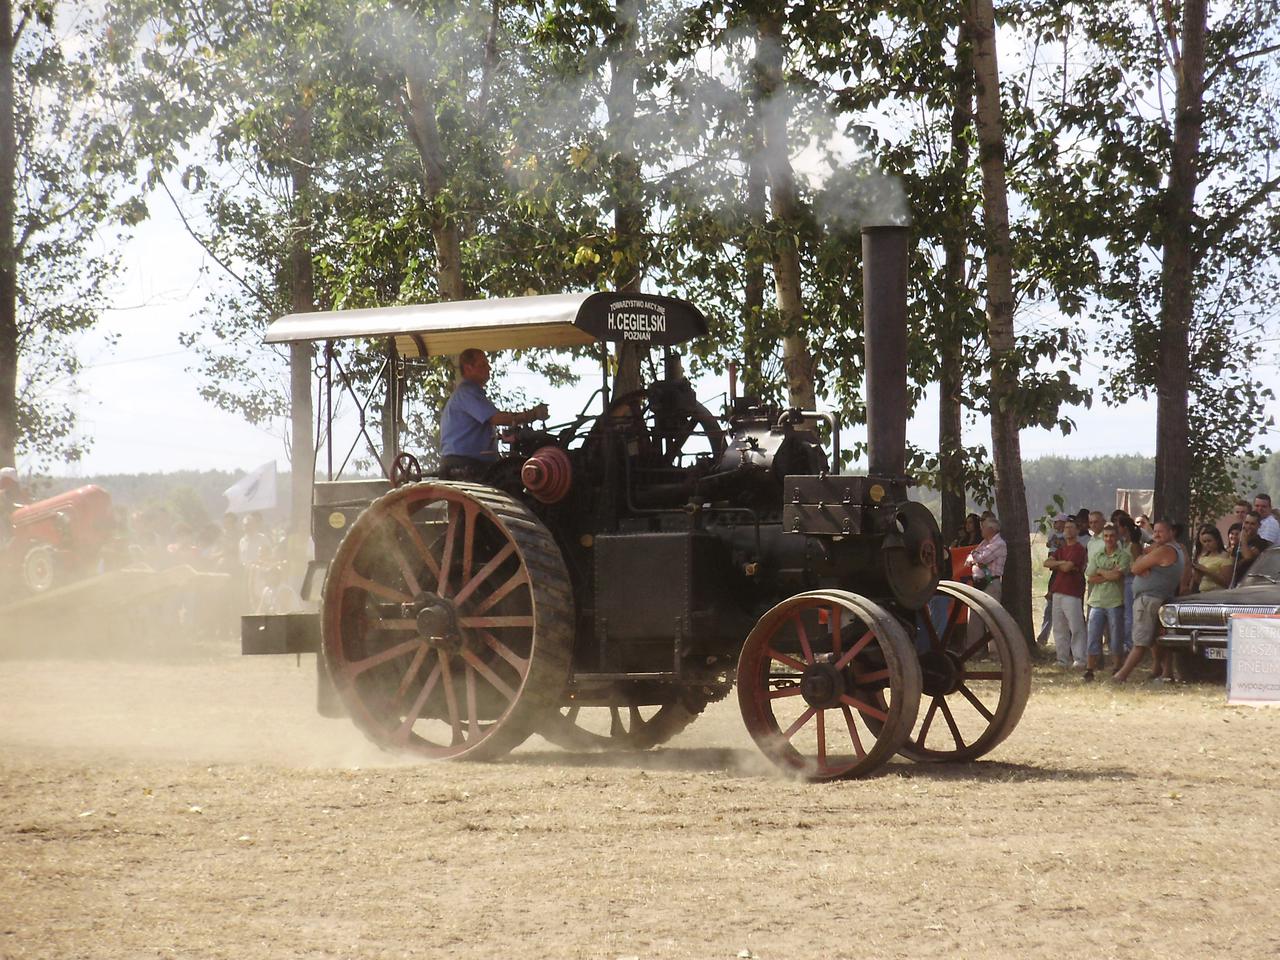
(828, 685)
(976, 676)
(447, 621)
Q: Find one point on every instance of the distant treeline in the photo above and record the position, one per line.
(1092, 481)
(1081, 482)
(1089, 482)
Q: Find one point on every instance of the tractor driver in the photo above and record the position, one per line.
(10, 499)
(467, 443)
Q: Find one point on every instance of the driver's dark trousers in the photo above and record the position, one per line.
(468, 469)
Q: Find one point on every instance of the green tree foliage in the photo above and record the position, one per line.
(374, 219)
(909, 70)
(590, 144)
(61, 166)
(1117, 66)
(244, 88)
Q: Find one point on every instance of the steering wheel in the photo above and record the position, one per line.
(633, 415)
(405, 469)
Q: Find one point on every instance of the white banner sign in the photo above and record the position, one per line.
(1253, 659)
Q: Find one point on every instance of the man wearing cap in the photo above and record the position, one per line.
(467, 443)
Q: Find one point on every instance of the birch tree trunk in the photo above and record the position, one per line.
(951, 341)
(625, 186)
(785, 206)
(757, 200)
(8, 252)
(1177, 271)
(1011, 494)
(301, 362)
(425, 133)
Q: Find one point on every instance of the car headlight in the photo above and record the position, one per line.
(1169, 615)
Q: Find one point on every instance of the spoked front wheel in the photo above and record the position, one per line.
(828, 685)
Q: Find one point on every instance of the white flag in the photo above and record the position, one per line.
(254, 491)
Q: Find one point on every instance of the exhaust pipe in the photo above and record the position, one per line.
(885, 250)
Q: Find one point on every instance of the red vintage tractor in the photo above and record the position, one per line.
(56, 541)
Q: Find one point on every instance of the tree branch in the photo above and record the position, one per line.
(1234, 60)
(1225, 224)
(1169, 32)
(205, 246)
(490, 62)
(33, 226)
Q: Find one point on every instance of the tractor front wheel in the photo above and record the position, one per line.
(40, 569)
(828, 685)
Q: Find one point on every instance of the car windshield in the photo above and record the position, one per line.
(1266, 569)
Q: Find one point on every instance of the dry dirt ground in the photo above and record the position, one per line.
(196, 807)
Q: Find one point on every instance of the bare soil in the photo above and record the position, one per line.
(195, 806)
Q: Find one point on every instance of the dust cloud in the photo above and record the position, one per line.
(85, 687)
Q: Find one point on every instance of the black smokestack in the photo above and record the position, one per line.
(884, 306)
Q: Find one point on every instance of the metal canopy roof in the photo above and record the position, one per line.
(557, 320)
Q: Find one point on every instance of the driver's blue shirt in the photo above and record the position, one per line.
(464, 425)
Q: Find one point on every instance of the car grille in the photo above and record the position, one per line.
(1215, 615)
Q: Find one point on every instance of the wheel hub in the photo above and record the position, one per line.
(436, 618)
(941, 673)
(822, 685)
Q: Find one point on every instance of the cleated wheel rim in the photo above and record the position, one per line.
(627, 726)
(446, 621)
(828, 685)
(976, 676)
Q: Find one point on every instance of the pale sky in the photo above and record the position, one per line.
(143, 411)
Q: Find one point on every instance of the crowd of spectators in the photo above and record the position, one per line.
(1108, 577)
(251, 556)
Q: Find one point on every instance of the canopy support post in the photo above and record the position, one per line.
(391, 410)
(328, 407)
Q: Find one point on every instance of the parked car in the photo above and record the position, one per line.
(1196, 624)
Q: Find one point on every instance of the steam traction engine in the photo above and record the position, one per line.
(615, 575)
